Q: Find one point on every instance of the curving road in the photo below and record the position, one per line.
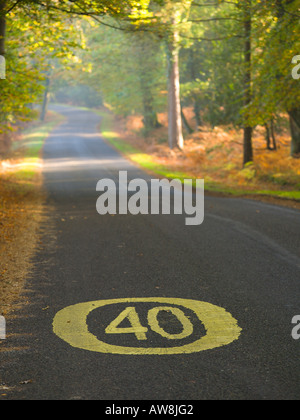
(244, 258)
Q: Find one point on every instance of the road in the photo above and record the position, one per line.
(244, 259)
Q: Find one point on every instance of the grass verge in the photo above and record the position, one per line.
(21, 210)
(148, 162)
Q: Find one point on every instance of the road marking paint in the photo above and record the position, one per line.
(188, 328)
(70, 324)
(133, 318)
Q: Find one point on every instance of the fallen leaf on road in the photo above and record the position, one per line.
(26, 382)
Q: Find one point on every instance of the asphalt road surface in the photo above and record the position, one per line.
(243, 261)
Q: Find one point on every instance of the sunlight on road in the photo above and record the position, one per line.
(71, 164)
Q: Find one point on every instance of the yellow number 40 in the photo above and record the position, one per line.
(70, 324)
(136, 328)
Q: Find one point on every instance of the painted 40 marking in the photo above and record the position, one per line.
(140, 332)
(70, 325)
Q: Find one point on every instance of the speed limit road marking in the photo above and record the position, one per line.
(70, 324)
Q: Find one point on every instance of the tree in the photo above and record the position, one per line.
(127, 68)
(212, 70)
(295, 131)
(33, 39)
(174, 104)
(2, 27)
(246, 6)
(148, 56)
(275, 42)
(165, 18)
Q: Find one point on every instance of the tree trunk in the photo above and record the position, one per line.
(273, 135)
(294, 114)
(185, 122)
(194, 74)
(268, 137)
(4, 139)
(175, 120)
(270, 133)
(197, 110)
(248, 131)
(295, 131)
(2, 27)
(150, 116)
(46, 100)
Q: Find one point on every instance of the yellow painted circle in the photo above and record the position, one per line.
(222, 329)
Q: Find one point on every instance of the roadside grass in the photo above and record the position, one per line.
(221, 176)
(21, 207)
(29, 149)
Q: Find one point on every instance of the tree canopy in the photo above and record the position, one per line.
(230, 60)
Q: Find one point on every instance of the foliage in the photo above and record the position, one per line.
(34, 42)
(276, 43)
(129, 80)
(216, 156)
(128, 66)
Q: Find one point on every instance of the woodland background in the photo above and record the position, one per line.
(207, 87)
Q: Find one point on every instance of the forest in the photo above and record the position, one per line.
(121, 277)
(213, 84)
